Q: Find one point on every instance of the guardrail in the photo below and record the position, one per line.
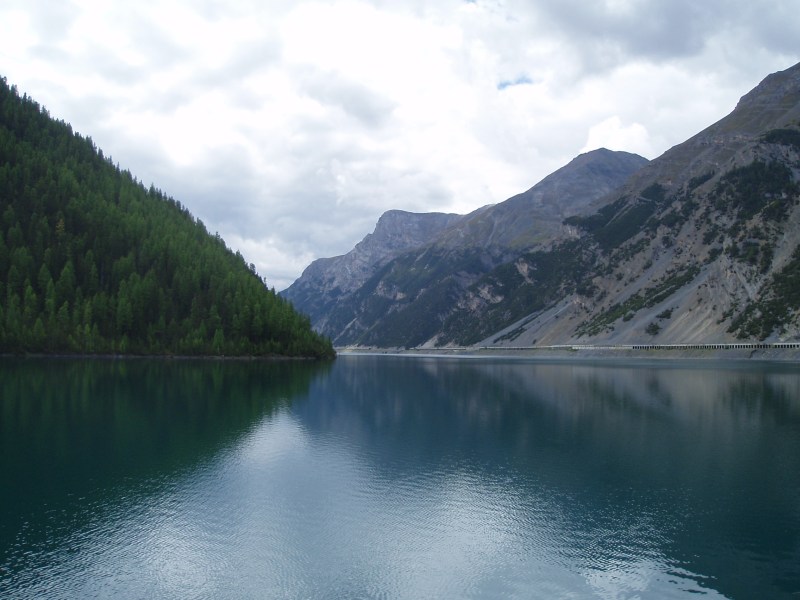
(720, 346)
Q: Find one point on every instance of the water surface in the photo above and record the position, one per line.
(399, 477)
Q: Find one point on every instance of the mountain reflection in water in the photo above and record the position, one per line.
(399, 477)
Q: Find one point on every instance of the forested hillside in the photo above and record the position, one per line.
(91, 261)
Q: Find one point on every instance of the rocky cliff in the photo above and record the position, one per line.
(328, 281)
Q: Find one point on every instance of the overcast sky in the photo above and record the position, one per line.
(290, 126)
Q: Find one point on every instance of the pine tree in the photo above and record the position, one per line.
(102, 264)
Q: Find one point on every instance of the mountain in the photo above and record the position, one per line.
(536, 216)
(700, 245)
(397, 285)
(93, 262)
(327, 281)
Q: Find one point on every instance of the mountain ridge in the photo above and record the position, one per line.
(778, 94)
(690, 247)
(536, 214)
(699, 245)
(462, 249)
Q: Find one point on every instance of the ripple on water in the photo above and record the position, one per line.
(493, 495)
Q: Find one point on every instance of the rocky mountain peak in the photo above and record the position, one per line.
(773, 104)
(778, 94)
(325, 281)
(570, 189)
(399, 229)
(537, 214)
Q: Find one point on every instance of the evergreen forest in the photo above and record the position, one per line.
(94, 262)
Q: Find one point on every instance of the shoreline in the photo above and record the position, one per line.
(743, 352)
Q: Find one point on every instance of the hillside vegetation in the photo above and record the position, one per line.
(92, 261)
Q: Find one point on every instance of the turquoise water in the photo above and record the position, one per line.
(398, 477)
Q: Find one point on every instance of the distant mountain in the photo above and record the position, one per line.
(700, 245)
(93, 262)
(328, 281)
(400, 283)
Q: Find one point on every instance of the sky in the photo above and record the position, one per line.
(289, 127)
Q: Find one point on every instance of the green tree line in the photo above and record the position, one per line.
(92, 261)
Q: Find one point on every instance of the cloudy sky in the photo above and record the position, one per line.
(290, 126)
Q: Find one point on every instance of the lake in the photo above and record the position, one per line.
(399, 477)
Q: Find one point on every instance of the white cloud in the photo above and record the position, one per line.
(612, 134)
(290, 126)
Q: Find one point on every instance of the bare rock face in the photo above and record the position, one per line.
(328, 280)
(396, 231)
